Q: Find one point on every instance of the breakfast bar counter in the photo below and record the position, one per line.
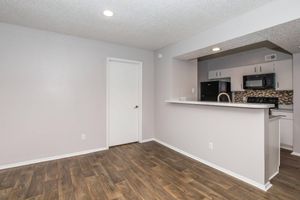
(224, 104)
(240, 139)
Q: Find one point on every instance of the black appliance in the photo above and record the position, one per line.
(210, 90)
(264, 100)
(259, 82)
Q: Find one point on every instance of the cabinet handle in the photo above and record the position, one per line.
(277, 85)
(255, 69)
(260, 69)
(217, 74)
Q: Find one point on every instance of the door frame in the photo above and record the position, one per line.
(140, 89)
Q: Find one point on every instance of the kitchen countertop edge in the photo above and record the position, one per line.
(223, 104)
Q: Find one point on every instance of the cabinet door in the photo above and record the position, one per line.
(218, 74)
(266, 68)
(224, 73)
(213, 74)
(257, 69)
(284, 75)
(286, 132)
(237, 79)
(249, 69)
(263, 68)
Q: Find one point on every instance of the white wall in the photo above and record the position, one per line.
(296, 74)
(184, 79)
(53, 89)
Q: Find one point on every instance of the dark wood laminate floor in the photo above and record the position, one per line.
(140, 171)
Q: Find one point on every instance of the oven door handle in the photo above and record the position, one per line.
(264, 82)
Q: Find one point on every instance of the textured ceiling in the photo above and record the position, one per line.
(149, 24)
(286, 35)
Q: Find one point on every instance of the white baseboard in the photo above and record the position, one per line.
(286, 147)
(295, 153)
(263, 187)
(148, 140)
(39, 160)
(275, 174)
(242, 178)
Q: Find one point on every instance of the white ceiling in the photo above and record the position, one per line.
(149, 24)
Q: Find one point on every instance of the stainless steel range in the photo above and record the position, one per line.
(265, 100)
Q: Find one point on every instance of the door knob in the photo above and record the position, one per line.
(136, 106)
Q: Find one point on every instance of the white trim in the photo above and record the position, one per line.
(263, 187)
(140, 113)
(107, 103)
(275, 174)
(295, 154)
(39, 160)
(147, 140)
(286, 148)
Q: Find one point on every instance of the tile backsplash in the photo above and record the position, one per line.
(285, 97)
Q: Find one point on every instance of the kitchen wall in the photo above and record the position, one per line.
(53, 89)
(296, 74)
(240, 59)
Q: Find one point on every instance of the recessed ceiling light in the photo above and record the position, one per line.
(215, 49)
(108, 13)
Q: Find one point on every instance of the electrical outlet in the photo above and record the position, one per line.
(83, 136)
(211, 146)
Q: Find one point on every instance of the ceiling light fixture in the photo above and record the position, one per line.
(215, 49)
(108, 13)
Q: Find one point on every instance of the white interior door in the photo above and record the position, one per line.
(124, 106)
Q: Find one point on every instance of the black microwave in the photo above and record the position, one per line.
(259, 81)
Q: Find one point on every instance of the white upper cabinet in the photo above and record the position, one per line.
(263, 68)
(283, 70)
(213, 74)
(266, 68)
(251, 69)
(218, 74)
(284, 74)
